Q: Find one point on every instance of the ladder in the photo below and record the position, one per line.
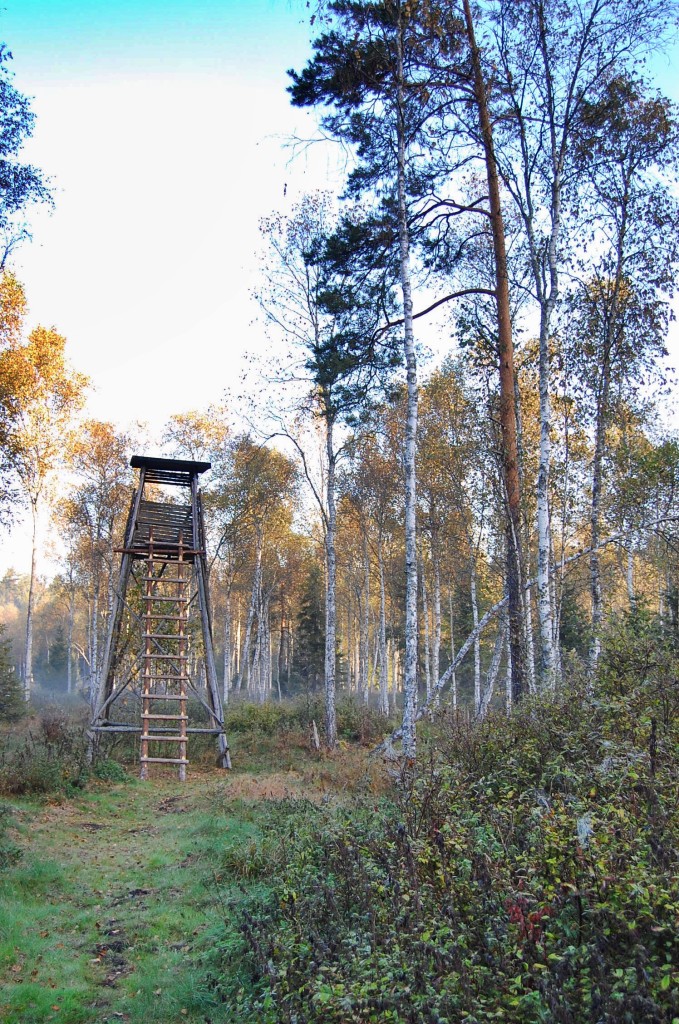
(164, 716)
(164, 565)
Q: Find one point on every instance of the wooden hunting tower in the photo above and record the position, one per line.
(159, 608)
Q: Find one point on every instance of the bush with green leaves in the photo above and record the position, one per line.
(526, 872)
(108, 770)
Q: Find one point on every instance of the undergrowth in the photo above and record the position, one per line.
(526, 872)
(49, 756)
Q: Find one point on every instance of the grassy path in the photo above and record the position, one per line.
(107, 913)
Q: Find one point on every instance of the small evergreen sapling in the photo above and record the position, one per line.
(12, 706)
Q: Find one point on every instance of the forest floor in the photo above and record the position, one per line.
(108, 912)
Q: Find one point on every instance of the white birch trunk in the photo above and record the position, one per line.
(530, 644)
(227, 649)
(493, 669)
(331, 591)
(453, 677)
(254, 600)
(364, 605)
(28, 651)
(544, 595)
(69, 642)
(384, 666)
(508, 678)
(94, 660)
(436, 634)
(425, 620)
(477, 639)
(394, 675)
(410, 675)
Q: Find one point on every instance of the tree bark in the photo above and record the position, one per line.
(410, 676)
(630, 571)
(69, 648)
(28, 653)
(477, 639)
(384, 666)
(436, 637)
(256, 585)
(331, 591)
(364, 604)
(425, 622)
(510, 455)
(493, 669)
(453, 680)
(227, 649)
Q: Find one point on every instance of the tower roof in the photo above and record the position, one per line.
(177, 472)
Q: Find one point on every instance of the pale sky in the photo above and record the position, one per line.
(162, 125)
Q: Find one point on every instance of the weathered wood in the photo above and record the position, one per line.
(168, 718)
(153, 738)
(164, 760)
(107, 674)
(163, 534)
(119, 727)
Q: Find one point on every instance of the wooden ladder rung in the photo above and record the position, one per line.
(163, 739)
(167, 718)
(164, 696)
(168, 618)
(163, 579)
(165, 760)
(164, 636)
(166, 657)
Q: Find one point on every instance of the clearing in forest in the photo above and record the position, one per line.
(109, 913)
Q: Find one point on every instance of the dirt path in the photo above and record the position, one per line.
(109, 912)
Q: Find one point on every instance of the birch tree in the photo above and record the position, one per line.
(330, 310)
(95, 510)
(620, 314)
(551, 58)
(42, 394)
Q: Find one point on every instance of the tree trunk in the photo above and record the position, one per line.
(28, 654)
(364, 604)
(395, 672)
(436, 637)
(410, 677)
(94, 659)
(69, 647)
(425, 622)
(384, 666)
(477, 639)
(453, 679)
(493, 669)
(227, 649)
(331, 591)
(530, 642)
(508, 679)
(595, 520)
(510, 455)
(256, 584)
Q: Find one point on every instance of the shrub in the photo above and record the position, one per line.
(108, 770)
(52, 761)
(526, 873)
(10, 853)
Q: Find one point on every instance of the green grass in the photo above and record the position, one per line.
(111, 906)
(113, 897)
